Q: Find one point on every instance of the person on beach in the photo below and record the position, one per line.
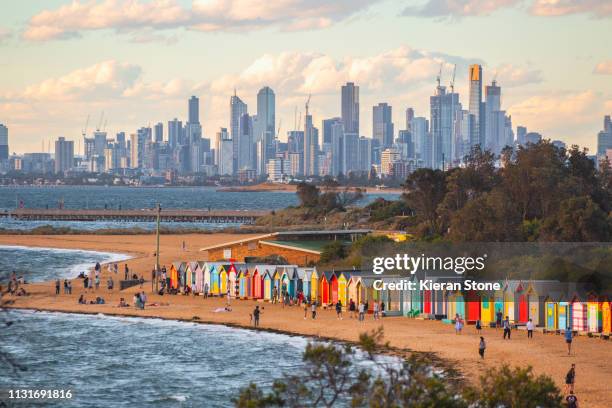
(568, 340)
(376, 306)
(530, 329)
(458, 324)
(69, 288)
(274, 295)
(507, 328)
(256, 313)
(482, 347)
(571, 400)
(205, 290)
(86, 282)
(97, 283)
(361, 311)
(126, 271)
(382, 309)
(305, 306)
(109, 283)
(82, 300)
(339, 310)
(57, 286)
(143, 299)
(229, 298)
(478, 326)
(498, 320)
(570, 379)
(141, 281)
(313, 308)
(352, 308)
(65, 286)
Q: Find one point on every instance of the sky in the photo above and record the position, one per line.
(137, 62)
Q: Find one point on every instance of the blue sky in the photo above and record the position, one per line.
(139, 61)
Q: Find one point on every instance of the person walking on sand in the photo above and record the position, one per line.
(57, 286)
(482, 347)
(507, 328)
(305, 306)
(572, 400)
(498, 321)
(65, 286)
(69, 288)
(478, 326)
(352, 308)
(568, 340)
(570, 379)
(256, 313)
(86, 282)
(339, 310)
(375, 306)
(530, 329)
(313, 309)
(458, 324)
(361, 312)
(97, 283)
(126, 271)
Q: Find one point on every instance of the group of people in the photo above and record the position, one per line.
(99, 300)
(67, 287)
(14, 285)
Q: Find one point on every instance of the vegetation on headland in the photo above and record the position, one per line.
(330, 377)
(539, 193)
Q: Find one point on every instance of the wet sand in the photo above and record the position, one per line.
(547, 353)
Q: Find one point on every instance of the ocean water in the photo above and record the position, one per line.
(130, 362)
(44, 264)
(99, 197)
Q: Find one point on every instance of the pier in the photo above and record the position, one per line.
(146, 215)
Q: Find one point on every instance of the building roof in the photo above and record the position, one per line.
(314, 247)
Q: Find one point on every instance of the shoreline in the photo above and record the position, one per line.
(432, 358)
(546, 352)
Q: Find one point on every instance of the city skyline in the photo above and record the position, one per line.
(557, 85)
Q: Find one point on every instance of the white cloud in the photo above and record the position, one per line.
(5, 35)
(595, 8)
(604, 68)
(511, 76)
(453, 9)
(458, 8)
(203, 15)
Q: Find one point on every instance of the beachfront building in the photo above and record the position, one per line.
(606, 316)
(296, 247)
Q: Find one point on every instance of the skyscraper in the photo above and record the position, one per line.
(64, 154)
(237, 109)
(194, 110)
(225, 153)
(158, 133)
(4, 146)
(175, 128)
(382, 125)
(604, 138)
(246, 149)
(327, 128)
(266, 119)
(409, 117)
(445, 110)
(475, 105)
(310, 142)
(350, 108)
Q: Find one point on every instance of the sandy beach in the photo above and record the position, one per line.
(545, 352)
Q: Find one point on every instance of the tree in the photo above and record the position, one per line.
(579, 219)
(308, 194)
(518, 387)
(333, 251)
(424, 191)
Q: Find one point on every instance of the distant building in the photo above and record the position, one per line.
(533, 137)
(241, 133)
(4, 145)
(158, 133)
(475, 104)
(604, 138)
(225, 149)
(175, 127)
(276, 170)
(194, 110)
(350, 108)
(388, 157)
(382, 124)
(64, 155)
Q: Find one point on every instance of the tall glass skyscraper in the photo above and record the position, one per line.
(4, 146)
(237, 109)
(382, 125)
(194, 110)
(475, 106)
(350, 108)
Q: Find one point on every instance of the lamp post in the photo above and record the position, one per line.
(157, 250)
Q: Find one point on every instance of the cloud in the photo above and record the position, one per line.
(5, 35)
(512, 76)
(603, 68)
(457, 8)
(595, 8)
(107, 79)
(204, 15)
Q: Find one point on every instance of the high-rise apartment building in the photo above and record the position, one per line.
(475, 104)
(225, 153)
(4, 145)
(175, 128)
(64, 154)
(194, 110)
(382, 125)
(158, 132)
(240, 145)
(445, 110)
(604, 138)
(350, 108)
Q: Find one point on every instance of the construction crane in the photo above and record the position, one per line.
(295, 118)
(439, 77)
(280, 122)
(452, 84)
